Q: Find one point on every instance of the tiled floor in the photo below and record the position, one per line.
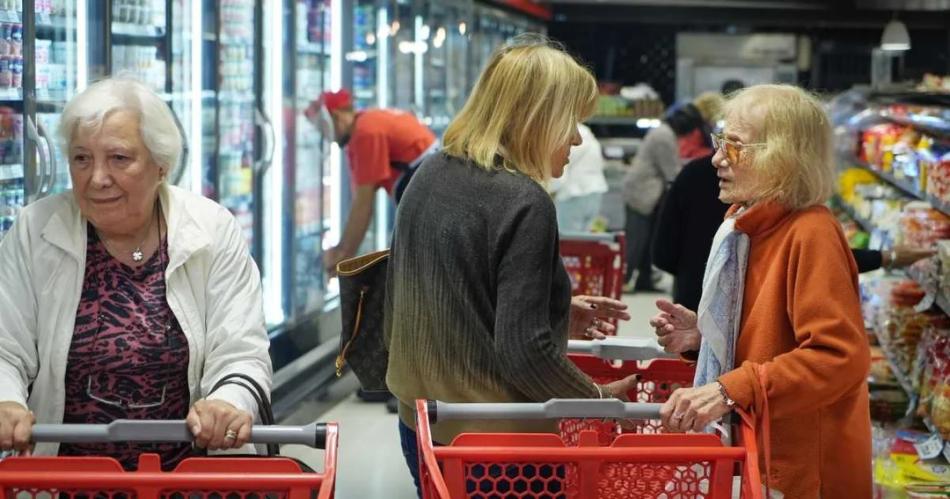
(370, 460)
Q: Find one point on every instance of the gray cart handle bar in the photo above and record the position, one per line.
(124, 430)
(552, 409)
(612, 348)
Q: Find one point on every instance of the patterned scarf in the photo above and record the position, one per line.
(720, 307)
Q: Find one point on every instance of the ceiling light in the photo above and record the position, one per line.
(895, 36)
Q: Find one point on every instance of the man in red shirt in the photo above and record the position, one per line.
(383, 148)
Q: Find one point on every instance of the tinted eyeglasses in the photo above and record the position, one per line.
(732, 149)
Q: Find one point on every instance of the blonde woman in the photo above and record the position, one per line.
(779, 329)
(480, 306)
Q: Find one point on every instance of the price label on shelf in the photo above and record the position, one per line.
(929, 448)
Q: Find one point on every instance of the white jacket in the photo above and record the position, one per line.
(213, 287)
(584, 173)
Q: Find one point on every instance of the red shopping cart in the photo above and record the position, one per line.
(592, 457)
(595, 262)
(539, 465)
(612, 359)
(194, 478)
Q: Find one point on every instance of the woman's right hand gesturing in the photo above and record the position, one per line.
(16, 427)
(676, 327)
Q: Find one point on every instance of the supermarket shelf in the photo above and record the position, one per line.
(902, 378)
(11, 16)
(236, 98)
(137, 30)
(11, 172)
(11, 94)
(364, 94)
(865, 224)
(930, 124)
(908, 387)
(905, 186)
(942, 300)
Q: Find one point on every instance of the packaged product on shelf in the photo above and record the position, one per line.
(903, 327)
(898, 470)
(922, 226)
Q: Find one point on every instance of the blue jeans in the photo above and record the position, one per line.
(410, 451)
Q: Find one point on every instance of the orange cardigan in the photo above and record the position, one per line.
(801, 320)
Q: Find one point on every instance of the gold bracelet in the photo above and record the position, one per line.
(600, 392)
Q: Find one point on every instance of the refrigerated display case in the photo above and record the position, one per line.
(493, 29)
(312, 191)
(446, 71)
(13, 175)
(403, 53)
(40, 70)
(236, 61)
(363, 55)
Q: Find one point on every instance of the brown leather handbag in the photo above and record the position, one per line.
(362, 297)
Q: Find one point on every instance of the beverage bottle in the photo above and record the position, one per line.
(17, 72)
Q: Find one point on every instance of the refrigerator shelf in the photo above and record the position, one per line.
(236, 98)
(11, 172)
(313, 48)
(11, 94)
(10, 16)
(55, 24)
(137, 30)
(236, 41)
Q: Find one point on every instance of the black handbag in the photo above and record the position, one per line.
(362, 297)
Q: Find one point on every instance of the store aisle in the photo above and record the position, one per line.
(370, 460)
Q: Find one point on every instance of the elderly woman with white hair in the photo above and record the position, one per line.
(779, 332)
(127, 298)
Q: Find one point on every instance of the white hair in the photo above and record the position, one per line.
(157, 125)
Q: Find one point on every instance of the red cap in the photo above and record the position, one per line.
(336, 100)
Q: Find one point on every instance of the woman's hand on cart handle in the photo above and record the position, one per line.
(16, 427)
(620, 388)
(693, 409)
(676, 327)
(217, 425)
(589, 316)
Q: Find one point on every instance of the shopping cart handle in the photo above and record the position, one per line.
(607, 237)
(612, 348)
(552, 409)
(124, 430)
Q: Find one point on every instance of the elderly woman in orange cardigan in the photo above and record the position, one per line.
(779, 331)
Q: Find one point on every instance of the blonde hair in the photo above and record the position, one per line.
(524, 106)
(709, 105)
(796, 163)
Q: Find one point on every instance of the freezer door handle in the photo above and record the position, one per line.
(267, 154)
(41, 172)
(53, 166)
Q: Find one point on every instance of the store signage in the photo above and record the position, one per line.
(528, 7)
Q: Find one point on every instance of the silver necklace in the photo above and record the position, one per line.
(137, 254)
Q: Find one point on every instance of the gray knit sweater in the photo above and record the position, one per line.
(478, 301)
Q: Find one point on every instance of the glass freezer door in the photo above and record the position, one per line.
(13, 177)
(237, 113)
(312, 189)
(54, 81)
(364, 56)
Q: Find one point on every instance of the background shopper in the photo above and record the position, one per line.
(578, 193)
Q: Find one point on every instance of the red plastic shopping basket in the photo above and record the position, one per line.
(594, 262)
(193, 478)
(540, 465)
